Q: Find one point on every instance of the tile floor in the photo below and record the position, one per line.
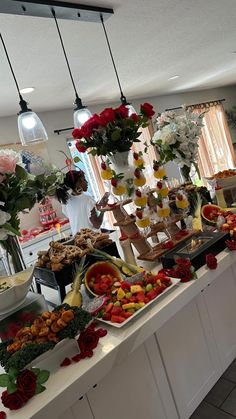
(220, 403)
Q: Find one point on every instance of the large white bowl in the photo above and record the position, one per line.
(19, 286)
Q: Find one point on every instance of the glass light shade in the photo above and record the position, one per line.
(81, 116)
(31, 129)
(131, 109)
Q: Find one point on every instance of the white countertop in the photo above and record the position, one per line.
(65, 385)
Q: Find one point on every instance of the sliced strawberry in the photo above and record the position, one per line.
(151, 295)
(117, 319)
(138, 193)
(135, 156)
(108, 307)
(125, 286)
(127, 314)
(141, 296)
(106, 316)
(103, 166)
(159, 184)
(116, 311)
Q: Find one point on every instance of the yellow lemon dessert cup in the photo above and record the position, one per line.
(144, 222)
(140, 181)
(106, 174)
(141, 202)
(119, 190)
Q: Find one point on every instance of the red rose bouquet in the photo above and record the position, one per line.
(112, 131)
(21, 386)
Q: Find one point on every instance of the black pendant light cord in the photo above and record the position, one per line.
(23, 103)
(10, 65)
(64, 51)
(123, 98)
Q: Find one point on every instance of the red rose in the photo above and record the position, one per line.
(65, 362)
(147, 110)
(77, 134)
(81, 147)
(88, 340)
(183, 273)
(108, 114)
(134, 117)
(3, 415)
(183, 262)
(26, 383)
(211, 261)
(13, 401)
(122, 111)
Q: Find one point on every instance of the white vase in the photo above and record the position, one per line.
(120, 164)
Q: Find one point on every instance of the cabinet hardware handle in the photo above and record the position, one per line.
(31, 253)
(81, 398)
(95, 385)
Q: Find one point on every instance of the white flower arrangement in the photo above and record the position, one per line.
(177, 136)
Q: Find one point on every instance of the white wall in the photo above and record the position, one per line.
(63, 118)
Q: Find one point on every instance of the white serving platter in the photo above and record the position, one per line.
(175, 281)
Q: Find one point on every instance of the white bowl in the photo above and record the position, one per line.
(19, 286)
(227, 182)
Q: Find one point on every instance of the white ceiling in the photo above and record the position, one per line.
(152, 40)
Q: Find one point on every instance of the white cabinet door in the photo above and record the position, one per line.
(80, 410)
(220, 299)
(128, 391)
(188, 352)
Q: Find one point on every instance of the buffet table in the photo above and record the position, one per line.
(161, 365)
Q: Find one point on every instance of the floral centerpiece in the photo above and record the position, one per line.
(19, 191)
(112, 131)
(177, 138)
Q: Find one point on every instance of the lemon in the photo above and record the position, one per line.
(119, 190)
(143, 223)
(182, 204)
(160, 173)
(140, 181)
(139, 162)
(141, 202)
(106, 174)
(163, 192)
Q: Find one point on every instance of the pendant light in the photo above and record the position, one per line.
(30, 127)
(122, 97)
(81, 112)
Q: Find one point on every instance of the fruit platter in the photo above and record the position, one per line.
(126, 289)
(128, 299)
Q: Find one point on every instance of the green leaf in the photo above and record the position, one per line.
(21, 173)
(36, 371)
(4, 380)
(11, 388)
(8, 227)
(115, 136)
(43, 376)
(39, 388)
(13, 372)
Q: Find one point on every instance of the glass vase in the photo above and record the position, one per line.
(120, 163)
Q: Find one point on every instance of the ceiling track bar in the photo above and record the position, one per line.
(58, 131)
(63, 10)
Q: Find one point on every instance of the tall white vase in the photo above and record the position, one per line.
(121, 164)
